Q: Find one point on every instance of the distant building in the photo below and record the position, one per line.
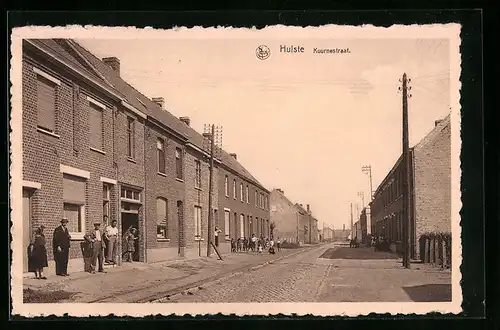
(365, 221)
(430, 191)
(294, 223)
(327, 234)
(341, 234)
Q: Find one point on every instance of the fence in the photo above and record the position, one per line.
(435, 248)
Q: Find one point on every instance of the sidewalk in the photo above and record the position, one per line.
(139, 282)
(361, 275)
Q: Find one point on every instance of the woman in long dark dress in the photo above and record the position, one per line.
(37, 254)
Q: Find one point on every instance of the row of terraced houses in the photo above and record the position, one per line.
(93, 145)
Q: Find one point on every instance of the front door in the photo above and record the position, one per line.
(27, 225)
(130, 220)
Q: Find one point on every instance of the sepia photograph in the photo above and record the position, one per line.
(223, 170)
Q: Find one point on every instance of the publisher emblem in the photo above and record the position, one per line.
(263, 52)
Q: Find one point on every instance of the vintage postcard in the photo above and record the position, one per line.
(284, 170)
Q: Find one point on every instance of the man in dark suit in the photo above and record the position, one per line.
(60, 246)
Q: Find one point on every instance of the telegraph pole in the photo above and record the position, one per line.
(210, 135)
(362, 195)
(406, 177)
(367, 169)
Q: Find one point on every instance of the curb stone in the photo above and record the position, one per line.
(190, 291)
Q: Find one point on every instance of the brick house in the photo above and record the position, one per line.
(365, 222)
(176, 174)
(285, 215)
(68, 146)
(306, 224)
(243, 203)
(430, 190)
(109, 150)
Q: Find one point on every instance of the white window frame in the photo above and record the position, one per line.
(160, 146)
(226, 186)
(197, 179)
(241, 191)
(78, 235)
(247, 195)
(227, 221)
(242, 225)
(162, 238)
(234, 189)
(198, 213)
(106, 200)
(133, 199)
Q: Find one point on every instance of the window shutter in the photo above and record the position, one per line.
(46, 104)
(73, 190)
(95, 123)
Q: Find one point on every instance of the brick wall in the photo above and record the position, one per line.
(433, 183)
(162, 186)
(284, 215)
(257, 214)
(43, 154)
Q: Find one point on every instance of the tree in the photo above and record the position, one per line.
(272, 226)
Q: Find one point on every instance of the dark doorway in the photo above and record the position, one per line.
(27, 226)
(130, 220)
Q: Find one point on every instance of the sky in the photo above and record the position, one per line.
(303, 122)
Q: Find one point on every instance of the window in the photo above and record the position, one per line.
(226, 186)
(242, 225)
(197, 182)
(197, 221)
(255, 195)
(161, 219)
(105, 200)
(241, 192)
(74, 203)
(130, 137)
(46, 104)
(227, 216)
(160, 155)
(178, 163)
(128, 193)
(247, 195)
(95, 126)
(234, 189)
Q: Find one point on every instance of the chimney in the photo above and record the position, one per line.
(234, 156)
(308, 209)
(185, 120)
(281, 191)
(437, 122)
(113, 62)
(160, 101)
(343, 227)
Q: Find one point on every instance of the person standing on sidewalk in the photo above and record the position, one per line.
(37, 254)
(112, 239)
(130, 240)
(216, 233)
(60, 246)
(278, 244)
(95, 237)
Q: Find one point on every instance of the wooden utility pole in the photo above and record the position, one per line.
(210, 190)
(367, 169)
(406, 177)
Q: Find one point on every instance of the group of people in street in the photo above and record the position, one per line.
(255, 244)
(98, 247)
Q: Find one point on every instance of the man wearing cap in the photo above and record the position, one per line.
(60, 245)
(95, 237)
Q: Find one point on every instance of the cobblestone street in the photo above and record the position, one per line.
(306, 277)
